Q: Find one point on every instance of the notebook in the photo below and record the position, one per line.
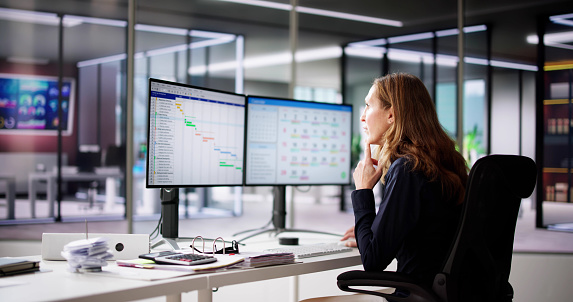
(12, 266)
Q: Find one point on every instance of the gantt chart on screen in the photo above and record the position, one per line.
(196, 137)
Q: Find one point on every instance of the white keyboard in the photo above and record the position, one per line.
(311, 250)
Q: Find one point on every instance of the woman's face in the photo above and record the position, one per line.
(376, 120)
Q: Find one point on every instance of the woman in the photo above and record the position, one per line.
(423, 178)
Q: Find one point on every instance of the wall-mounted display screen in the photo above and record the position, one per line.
(29, 105)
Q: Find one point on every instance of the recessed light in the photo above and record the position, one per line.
(320, 12)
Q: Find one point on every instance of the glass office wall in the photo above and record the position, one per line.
(98, 155)
(188, 56)
(431, 56)
(30, 113)
(555, 119)
(91, 63)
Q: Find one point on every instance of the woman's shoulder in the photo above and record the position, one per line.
(400, 163)
(402, 167)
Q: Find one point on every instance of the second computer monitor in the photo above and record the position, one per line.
(292, 142)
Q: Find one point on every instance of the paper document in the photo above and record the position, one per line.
(223, 261)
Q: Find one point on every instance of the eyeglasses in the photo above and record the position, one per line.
(233, 249)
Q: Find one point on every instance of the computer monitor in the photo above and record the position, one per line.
(292, 142)
(195, 139)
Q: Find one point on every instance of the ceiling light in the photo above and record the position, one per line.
(162, 29)
(513, 65)
(476, 61)
(410, 56)
(24, 60)
(427, 58)
(53, 19)
(318, 54)
(409, 38)
(207, 43)
(418, 37)
(561, 37)
(366, 52)
(102, 60)
(375, 42)
(262, 4)
(282, 58)
(455, 31)
(210, 34)
(560, 45)
(70, 20)
(562, 19)
(319, 12)
(346, 16)
(29, 16)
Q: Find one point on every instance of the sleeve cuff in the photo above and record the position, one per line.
(362, 199)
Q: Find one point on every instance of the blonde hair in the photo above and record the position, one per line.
(418, 135)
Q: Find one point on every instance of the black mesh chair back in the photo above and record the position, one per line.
(479, 263)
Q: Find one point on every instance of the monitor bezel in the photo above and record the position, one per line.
(147, 185)
(245, 159)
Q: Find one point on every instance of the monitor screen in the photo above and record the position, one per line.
(195, 136)
(297, 143)
(29, 105)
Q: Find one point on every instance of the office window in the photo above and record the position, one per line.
(317, 94)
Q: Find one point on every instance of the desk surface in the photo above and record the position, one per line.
(61, 285)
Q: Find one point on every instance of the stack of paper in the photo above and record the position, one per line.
(269, 259)
(12, 266)
(87, 255)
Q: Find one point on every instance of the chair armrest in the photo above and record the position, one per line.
(347, 281)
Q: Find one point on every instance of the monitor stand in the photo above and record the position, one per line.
(279, 218)
(170, 218)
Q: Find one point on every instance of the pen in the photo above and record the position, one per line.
(136, 265)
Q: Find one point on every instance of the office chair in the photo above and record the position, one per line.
(478, 265)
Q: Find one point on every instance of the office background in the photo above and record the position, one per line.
(246, 48)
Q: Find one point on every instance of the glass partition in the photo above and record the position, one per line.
(554, 194)
(200, 58)
(29, 113)
(431, 56)
(94, 178)
(87, 165)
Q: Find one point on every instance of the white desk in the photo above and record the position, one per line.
(51, 178)
(61, 285)
(308, 265)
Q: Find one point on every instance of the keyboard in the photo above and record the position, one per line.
(311, 250)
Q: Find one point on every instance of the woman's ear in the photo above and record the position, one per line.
(391, 115)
